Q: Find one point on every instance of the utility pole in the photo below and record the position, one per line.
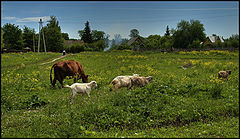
(40, 25)
(33, 41)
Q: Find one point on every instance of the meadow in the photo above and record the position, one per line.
(185, 98)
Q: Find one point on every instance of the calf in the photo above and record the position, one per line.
(141, 81)
(81, 88)
(224, 74)
(123, 81)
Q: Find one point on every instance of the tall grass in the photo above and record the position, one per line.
(179, 102)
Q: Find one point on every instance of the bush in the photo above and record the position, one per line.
(75, 48)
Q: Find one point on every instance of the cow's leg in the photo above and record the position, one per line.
(75, 79)
(54, 82)
(129, 86)
(62, 77)
(60, 80)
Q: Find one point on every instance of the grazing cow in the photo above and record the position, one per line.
(141, 81)
(123, 81)
(224, 74)
(67, 68)
(81, 88)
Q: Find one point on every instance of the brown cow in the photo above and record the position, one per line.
(67, 68)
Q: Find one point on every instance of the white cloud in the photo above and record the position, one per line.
(33, 19)
(28, 19)
(10, 18)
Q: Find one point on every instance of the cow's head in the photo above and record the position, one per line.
(85, 78)
(229, 71)
(149, 78)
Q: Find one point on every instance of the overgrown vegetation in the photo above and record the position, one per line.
(187, 35)
(185, 98)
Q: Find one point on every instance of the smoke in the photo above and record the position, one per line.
(116, 41)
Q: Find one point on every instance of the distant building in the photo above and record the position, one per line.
(135, 43)
(213, 39)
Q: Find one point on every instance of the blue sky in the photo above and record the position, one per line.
(119, 17)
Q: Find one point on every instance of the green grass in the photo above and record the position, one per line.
(178, 102)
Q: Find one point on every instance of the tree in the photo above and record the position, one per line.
(86, 36)
(154, 41)
(65, 36)
(167, 32)
(53, 35)
(233, 41)
(234, 37)
(28, 35)
(80, 33)
(12, 36)
(187, 32)
(2, 44)
(124, 41)
(134, 33)
(97, 35)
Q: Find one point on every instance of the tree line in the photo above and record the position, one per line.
(187, 35)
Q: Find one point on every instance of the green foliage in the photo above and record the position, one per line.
(177, 103)
(65, 36)
(75, 48)
(187, 32)
(86, 34)
(134, 33)
(195, 44)
(167, 32)
(2, 44)
(154, 41)
(97, 35)
(94, 40)
(232, 42)
(120, 47)
(12, 36)
(53, 36)
(99, 45)
(33, 102)
(28, 35)
(158, 42)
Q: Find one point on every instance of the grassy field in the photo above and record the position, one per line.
(185, 98)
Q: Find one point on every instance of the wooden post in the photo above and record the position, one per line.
(39, 35)
(33, 41)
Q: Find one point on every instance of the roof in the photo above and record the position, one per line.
(214, 38)
(221, 38)
(132, 40)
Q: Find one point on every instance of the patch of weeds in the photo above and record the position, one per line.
(33, 102)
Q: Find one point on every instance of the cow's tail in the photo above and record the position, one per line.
(51, 74)
(67, 86)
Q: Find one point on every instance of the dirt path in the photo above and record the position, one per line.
(54, 60)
